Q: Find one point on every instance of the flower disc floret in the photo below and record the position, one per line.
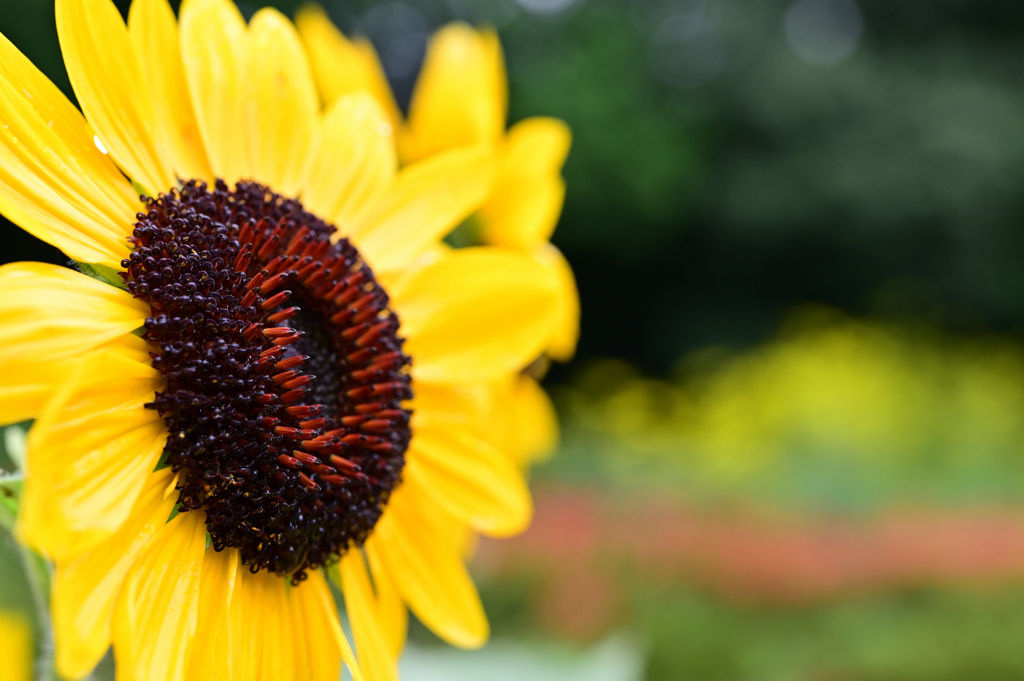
(285, 373)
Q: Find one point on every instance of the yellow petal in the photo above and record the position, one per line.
(562, 345)
(461, 95)
(54, 182)
(112, 192)
(469, 478)
(212, 656)
(447, 530)
(156, 613)
(317, 652)
(154, 34)
(26, 389)
(313, 599)
(394, 616)
(89, 454)
(427, 200)
(534, 422)
(111, 88)
(353, 163)
(428, 570)
(27, 386)
(16, 646)
(85, 589)
(54, 314)
(468, 405)
(291, 632)
(108, 189)
(536, 147)
(372, 644)
(281, 103)
(213, 50)
(512, 413)
(251, 611)
(477, 314)
(522, 213)
(391, 279)
(524, 207)
(343, 67)
(276, 628)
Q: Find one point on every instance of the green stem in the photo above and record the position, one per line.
(37, 570)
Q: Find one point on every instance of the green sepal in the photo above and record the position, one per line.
(162, 461)
(333, 572)
(140, 191)
(108, 275)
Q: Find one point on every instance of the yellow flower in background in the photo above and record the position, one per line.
(461, 99)
(832, 390)
(15, 646)
(260, 370)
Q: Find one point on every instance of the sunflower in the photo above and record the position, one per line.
(460, 100)
(260, 372)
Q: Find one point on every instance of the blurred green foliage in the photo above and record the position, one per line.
(912, 635)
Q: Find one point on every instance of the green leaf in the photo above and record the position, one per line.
(108, 275)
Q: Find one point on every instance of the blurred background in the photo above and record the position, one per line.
(792, 438)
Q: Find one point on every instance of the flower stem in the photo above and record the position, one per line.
(37, 570)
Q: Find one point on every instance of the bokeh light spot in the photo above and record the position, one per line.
(823, 32)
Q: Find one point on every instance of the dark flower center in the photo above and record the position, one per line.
(285, 374)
